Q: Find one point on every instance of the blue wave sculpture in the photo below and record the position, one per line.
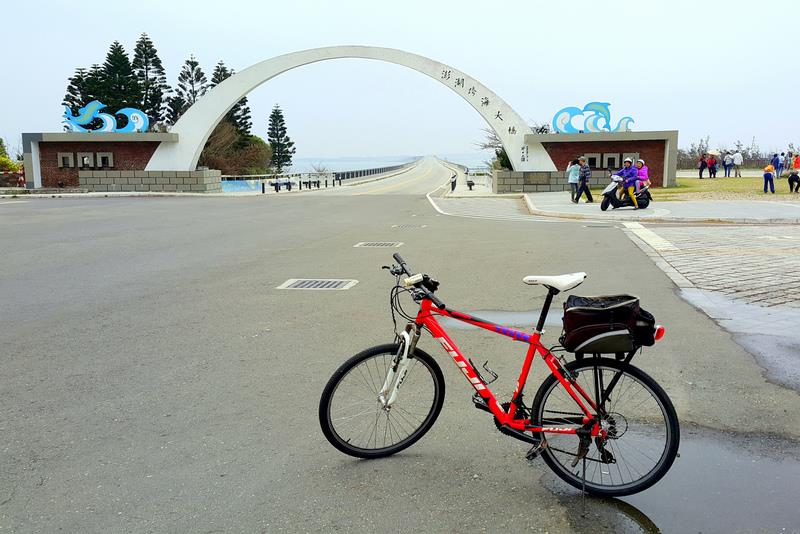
(137, 120)
(598, 120)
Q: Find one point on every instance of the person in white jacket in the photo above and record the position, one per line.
(738, 159)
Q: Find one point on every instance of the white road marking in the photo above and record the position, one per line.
(656, 242)
(15, 202)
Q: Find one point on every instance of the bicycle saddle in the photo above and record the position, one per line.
(563, 282)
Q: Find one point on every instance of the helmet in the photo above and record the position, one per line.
(641, 161)
(628, 160)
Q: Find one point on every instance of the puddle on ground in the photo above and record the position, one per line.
(768, 333)
(520, 319)
(721, 483)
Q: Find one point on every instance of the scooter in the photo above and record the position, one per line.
(611, 198)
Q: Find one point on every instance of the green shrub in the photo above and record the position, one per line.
(7, 165)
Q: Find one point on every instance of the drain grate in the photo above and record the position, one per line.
(317, 283)
(379, 244)
(416, 226)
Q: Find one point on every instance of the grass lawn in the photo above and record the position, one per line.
(723, 189)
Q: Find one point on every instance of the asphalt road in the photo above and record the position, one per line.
(154, 379)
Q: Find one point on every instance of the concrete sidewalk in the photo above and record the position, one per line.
(557, 204)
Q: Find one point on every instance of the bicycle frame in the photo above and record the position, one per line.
(427, 317)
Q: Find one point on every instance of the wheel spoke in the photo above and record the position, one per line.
(641, 441)
(358, 421)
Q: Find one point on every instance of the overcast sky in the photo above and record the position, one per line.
(698, 67)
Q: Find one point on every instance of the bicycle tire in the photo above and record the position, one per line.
(555, 456)
(404, 420)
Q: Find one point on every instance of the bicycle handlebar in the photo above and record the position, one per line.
(403, 265)
(436, 302)
(427, 292)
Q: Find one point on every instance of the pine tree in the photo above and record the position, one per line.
(192, 82)
(176, 106)
(281, 144)
(120, 88)
(85, 86)
(152, 80)
(76, 91)
(239, 115)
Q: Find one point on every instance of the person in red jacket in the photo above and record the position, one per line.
(712, 166)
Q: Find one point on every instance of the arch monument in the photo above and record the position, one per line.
(196, 125)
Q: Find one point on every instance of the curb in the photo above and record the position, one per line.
(533, 210)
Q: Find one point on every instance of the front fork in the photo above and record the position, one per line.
(399, 367)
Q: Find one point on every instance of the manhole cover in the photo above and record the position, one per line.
(317, 283)
(409, 226)
(379, 244)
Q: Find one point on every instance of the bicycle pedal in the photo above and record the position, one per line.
(532, 454)
(480, 403)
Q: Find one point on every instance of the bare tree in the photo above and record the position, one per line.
(491, 141)
(319, 168)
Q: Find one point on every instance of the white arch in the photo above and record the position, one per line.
(196, 125)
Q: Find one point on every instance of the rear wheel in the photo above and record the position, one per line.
(357, 423)
(605, 203)
(640, 423)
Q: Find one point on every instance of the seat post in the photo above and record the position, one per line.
(546, 308)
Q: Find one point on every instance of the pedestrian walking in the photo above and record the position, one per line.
(769, 175)
(583, 181)
(774, 161)
(702, 165)
(728, 161)
(712, 166)
(779, 167)
(794, 181)
(738, 160)
(573, 174)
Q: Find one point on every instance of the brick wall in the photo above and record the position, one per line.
(540, 181)
(173, 181)
(9, 179)
(128, 156)
(650, 151)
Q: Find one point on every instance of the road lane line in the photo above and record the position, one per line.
(393, 186)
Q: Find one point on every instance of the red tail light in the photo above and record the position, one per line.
(659, 332)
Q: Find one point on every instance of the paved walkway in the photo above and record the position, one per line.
(743, 277)
(731, 211)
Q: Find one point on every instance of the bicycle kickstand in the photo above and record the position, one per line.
(583, 486)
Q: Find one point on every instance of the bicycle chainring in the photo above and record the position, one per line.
(521, 413)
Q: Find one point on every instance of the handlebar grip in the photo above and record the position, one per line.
(436, 302)
(401, 262)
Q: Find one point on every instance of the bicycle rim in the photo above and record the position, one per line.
(640, 422)
(360, 423)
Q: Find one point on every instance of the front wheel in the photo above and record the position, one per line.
(605, 203)
(355, 421)
(642, 432)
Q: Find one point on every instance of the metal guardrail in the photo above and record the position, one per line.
(311, 179)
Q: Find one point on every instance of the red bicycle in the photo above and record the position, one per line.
(601, 424)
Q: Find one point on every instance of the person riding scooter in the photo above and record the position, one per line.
(643, 178)
(630, 175)
(615, 196)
